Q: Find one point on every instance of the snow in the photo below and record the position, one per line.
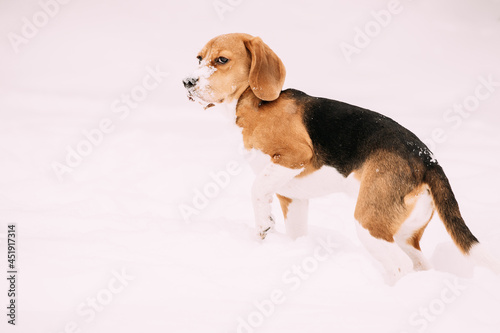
(103, 245)
(200, 92)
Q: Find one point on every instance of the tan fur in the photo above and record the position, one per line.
(284, 203)
(275, 128)
(251, 64)
(229, 81)
(255, 74)
(387, 194)
(415, 239)
(267, 72)
(271, 122)
(410, 200)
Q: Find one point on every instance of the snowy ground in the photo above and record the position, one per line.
(104, 248)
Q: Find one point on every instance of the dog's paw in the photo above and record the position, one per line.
(265, 228)
(262, 234)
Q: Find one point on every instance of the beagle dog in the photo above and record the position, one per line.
(314, 146)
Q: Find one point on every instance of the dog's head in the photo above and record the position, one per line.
(229, 64)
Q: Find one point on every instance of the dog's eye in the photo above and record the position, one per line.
(221, 60)
(199, 59)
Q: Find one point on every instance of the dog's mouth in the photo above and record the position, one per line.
(208, 106)
(194, 98)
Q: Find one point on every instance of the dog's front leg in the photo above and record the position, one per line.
(265, 186)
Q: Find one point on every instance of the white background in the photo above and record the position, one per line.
(118, 210)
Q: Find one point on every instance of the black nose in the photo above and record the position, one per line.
(189, 82)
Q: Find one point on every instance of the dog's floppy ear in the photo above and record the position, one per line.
(267, 72)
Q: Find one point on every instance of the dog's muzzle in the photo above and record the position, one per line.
(190, 84)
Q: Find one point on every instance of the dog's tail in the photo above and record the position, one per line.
(447, 208)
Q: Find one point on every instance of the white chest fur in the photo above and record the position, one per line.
(324, 181)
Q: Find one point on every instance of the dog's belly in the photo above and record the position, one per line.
(324, 181)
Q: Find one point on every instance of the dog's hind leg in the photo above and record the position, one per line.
(388, 254)
(386, 179)
(376, 230)
(409, 234)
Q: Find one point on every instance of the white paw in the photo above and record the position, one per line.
(264, 228)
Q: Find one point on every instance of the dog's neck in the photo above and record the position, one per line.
(247, 114)
(247, 105)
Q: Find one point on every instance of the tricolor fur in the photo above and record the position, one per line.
(314, 146)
